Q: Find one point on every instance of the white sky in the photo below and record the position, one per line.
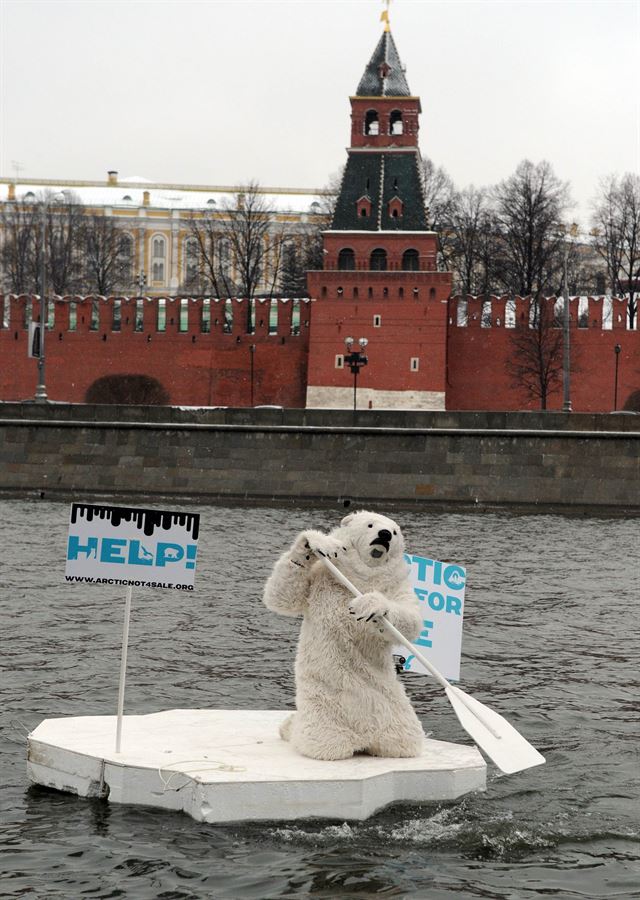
(219, 92)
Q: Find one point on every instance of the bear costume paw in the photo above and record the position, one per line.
(369, 607)
(307, 542)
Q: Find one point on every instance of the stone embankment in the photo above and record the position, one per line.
(433, 460)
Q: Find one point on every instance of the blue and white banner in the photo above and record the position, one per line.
(439, 587)
(130, 546)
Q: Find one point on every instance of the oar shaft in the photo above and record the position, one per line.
(335, 571)
(442, 681)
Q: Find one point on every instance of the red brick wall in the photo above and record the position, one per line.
(195, 368)
(477, 377)
(215, 368)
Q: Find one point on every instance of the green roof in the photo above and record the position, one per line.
(380, 177)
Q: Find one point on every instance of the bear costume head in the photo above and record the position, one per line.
(373, 543)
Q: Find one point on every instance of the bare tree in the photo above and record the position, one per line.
(63, 235)
(616, 231)
(20, 226)
(439, 195)
(473, 241)
(107, 256)
(328, 197)
(237, 250)
(535, 360)
(529, 208)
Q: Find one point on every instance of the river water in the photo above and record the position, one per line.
(550, 641)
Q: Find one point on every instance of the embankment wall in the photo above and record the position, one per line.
(437, 459)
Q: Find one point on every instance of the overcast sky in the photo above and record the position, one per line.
(220, 92)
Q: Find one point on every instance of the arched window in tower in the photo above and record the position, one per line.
(158, 256)
(395, 122)
(378, 260)
(371, 123)
(410, 260)
(346, 260)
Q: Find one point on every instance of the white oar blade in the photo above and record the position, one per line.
(493, 734)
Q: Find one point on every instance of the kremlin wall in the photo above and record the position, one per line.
(292, 363)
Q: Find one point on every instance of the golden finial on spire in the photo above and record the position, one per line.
(384, 15)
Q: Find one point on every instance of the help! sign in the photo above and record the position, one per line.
(139, 547)
(439, 588)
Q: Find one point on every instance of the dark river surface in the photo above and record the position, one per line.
(550, 641)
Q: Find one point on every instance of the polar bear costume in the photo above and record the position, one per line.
(348, 696)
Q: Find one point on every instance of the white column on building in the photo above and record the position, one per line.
(174, 280)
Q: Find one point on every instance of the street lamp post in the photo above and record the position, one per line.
(617, 350)
(566, 345)
(355, 359)
(41, 388)
(252, 353)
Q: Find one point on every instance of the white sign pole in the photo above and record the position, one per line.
(123, 666)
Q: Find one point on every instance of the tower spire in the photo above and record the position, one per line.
(384, 75)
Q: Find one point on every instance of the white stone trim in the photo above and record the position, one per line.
(322, 397)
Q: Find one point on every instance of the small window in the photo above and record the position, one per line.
(377, 321)
(339, 361)
(415, 363)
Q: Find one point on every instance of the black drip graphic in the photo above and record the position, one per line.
(146, 519)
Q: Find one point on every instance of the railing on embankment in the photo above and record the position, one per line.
(432, 459)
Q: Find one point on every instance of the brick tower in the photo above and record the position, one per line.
(379, 279)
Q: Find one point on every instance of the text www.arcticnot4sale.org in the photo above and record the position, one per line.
(85, 579)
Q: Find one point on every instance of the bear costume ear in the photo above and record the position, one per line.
(348, 519)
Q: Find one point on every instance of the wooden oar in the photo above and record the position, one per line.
(492, 733)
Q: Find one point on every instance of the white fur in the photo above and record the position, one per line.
(348, 697)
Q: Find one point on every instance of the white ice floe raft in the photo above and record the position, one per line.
(231, 766)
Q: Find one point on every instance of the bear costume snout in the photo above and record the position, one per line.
(382, 540)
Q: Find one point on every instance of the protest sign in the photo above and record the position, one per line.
(439, 587)
(133, 547)
(120, 545)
